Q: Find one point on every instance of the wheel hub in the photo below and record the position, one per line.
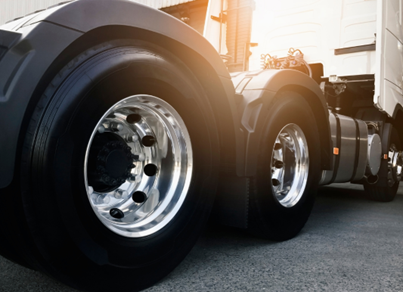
(111, 162)
(290, 165)
(138, 166)
(395, 165)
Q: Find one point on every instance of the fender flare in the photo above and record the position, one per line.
(46, 37)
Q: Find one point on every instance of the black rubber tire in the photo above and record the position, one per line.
(64, 238)
(267, 217)
(7, 229)
(378, 191)
(381, 193)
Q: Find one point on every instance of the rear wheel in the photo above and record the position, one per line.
(283, 192)
(390, 172)
(120, 168)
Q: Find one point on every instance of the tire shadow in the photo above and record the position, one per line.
(338, 206)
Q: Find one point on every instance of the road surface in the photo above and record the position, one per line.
(348, 244)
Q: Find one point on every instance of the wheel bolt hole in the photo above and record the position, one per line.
(139, 197)
(148, 141)
(275, 182)
(150, 169)
(133, 118)
(279, 164)
(278, 146)
(116, 213)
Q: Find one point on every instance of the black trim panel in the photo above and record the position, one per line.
(356, 49)
(357, 148)
(338, 145)
(7, 40)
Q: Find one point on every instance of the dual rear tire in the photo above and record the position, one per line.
(390, 172)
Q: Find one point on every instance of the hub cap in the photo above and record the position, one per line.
(290, 165)
(138, 166)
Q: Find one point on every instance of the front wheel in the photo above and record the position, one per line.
(283, 191)
(119, 168)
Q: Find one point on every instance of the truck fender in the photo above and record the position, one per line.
(34, 48)
(259, 89)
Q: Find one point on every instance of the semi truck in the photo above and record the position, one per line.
(123, 132)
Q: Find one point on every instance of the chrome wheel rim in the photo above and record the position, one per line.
(138, 166)
(395, 165)
(290, 165)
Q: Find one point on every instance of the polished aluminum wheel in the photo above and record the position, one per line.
(290, 165)
(138, 166)
(395, 165)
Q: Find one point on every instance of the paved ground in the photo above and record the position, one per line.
(349, 244)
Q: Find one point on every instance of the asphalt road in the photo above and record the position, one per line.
(348, 244)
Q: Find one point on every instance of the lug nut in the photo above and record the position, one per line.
(141, 157)
(116, 127)
(132, 138)
(120, 194)
(116, 213)
(100, 199)
(101, 129)
(138, 157)
(148, 141)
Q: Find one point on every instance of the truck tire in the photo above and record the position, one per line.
(283, 192)
(7, 248)
(119, 168)
(378, 191)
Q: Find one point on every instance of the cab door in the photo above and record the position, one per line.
(389, 56)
